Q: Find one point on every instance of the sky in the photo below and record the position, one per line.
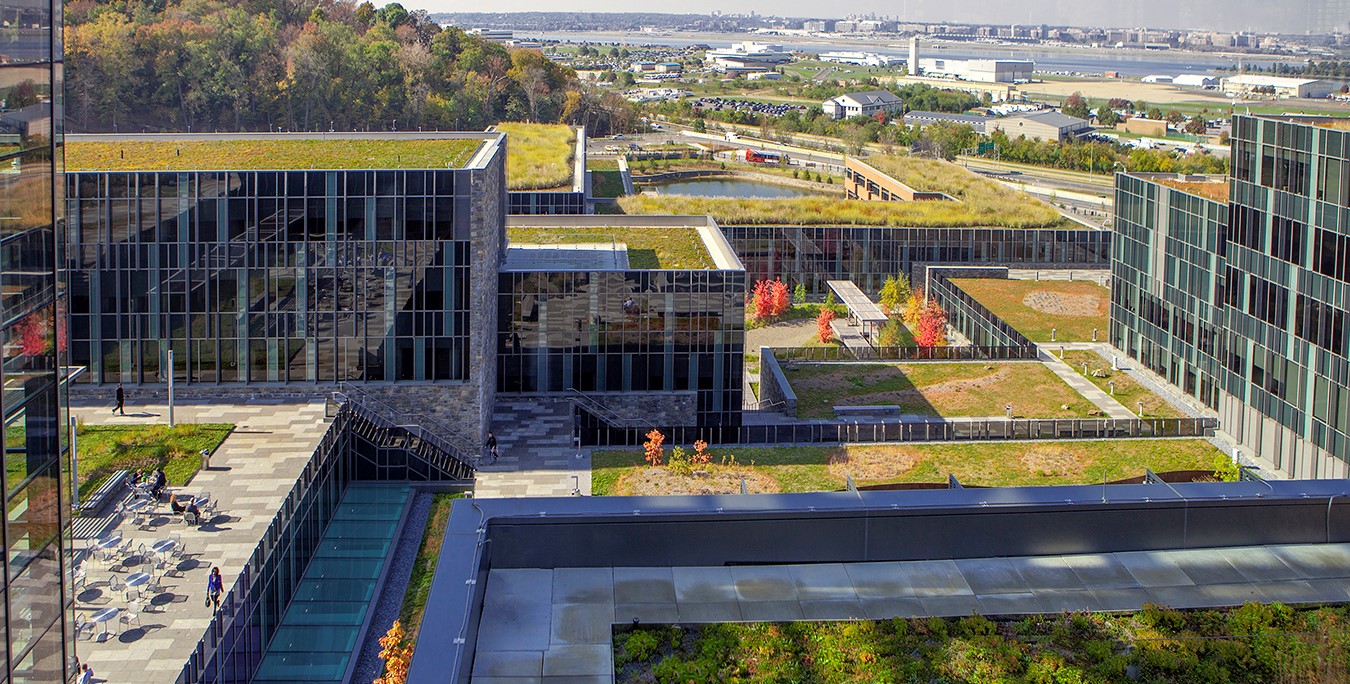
(1292, 16)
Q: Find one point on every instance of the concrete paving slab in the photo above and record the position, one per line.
(508, 664)
(722, 611)
(515, 623)
(646, 613)
(878, 580)
(771, 611)
(950, 605)
(527, 582)
(1102, 571)
(1010, 604)
(825, 581)
(1290, 591)
(886, 608)
(1043, 573)
(764, 583)
(644, 585)
(1258, 564)
(582, 623)
(936, 578)
(1120, 598)
(991, 576)
(834, 609)
(1337, 590)
(583, 585)
(595, 661)
(1154, 569)
(1067, 600)
(704, 585)
(1316, 561)
(1206, 566)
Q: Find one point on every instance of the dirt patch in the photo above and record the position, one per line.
(784, 334)
(872, 463)
(1060, 304)
(720, 480)
(1052, 462)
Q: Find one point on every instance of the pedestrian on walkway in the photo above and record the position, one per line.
(214, 587)
(121, 400)
(86, 674)
(491, 445)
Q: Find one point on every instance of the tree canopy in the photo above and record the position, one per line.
(191, 65)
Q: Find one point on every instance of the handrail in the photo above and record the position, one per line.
(383, 414)
(603, 412)
(462, 441)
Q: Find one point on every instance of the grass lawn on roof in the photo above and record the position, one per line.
(1071, 308)
(936, 389)
(268, 154)
(823, 468)
(538, 156)
(648, 248)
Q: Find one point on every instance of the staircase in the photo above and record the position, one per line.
(448, 454)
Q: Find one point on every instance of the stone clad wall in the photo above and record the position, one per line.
(774, 392)
(640, 409)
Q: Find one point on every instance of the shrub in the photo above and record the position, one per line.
(640, 646)
(701, 454)
(770, 299)
(679, 462)
(913, 307)
(652, 448)
(396, 656)
(799, 294)
(823, 330)
(894, 292)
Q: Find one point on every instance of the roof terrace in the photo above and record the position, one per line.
(568, 243)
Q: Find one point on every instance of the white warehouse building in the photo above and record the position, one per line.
(1277, 87)
(980, 70)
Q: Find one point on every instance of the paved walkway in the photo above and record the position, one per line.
(1083, 386)
(547, 625)
(538, 456)
(250, 475)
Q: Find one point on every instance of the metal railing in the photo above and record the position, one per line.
(972, 318)
(931, 430)
(604, 413)
(955, 353)
(454, 443)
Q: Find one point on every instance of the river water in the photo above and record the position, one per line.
(1089, 60)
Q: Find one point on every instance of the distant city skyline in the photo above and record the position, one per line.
(1298, 16)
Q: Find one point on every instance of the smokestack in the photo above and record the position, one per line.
(914, 56)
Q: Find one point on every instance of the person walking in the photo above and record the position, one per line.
(121, 400)
(491, 445)
(215, 586)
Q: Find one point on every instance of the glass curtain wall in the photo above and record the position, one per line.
(36, 607)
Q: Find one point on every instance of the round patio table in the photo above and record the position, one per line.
(164, 546)
(108, 542)
(137, 579)
(104, 616)
(201, 500)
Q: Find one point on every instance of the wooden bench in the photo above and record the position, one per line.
(853, 411)
(110, 488)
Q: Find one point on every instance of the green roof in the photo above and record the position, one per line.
(649, 248)
(262, 154)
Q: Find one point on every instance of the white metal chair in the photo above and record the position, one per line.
(83, 624)
(115, 583)
(132, 612)
(81, 575)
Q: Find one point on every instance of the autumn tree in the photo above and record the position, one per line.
(1196, 126)
(824, 332)
(701, 454)
(913, 307)
(652, 451)
(770, 299)
(1075, 105)
(396, 655)
(932, 326)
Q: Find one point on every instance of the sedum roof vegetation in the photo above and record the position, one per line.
(538, 156)
(649, 248)
(1215, 191)
(269, 154)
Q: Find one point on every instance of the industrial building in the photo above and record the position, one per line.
(1196, 81)
(870, 59)
(1042, 125)
(749, 51)
(862, 104)
(922, 119)
(1241, 299)
(979, 70)
(1275, 87)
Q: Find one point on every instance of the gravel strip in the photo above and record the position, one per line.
(369, 666)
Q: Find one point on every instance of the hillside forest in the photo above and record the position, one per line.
(259, 65)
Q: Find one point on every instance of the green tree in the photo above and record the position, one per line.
(1107, 117)
(1196, 126)
(894, 293)
(1175, 117)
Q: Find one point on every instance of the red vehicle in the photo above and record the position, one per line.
(764, 157)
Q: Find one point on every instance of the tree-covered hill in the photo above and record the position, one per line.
(194, 65)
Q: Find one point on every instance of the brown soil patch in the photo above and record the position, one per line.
(1052, 461)
(719, 480)
(872, 463)
(1060, 304)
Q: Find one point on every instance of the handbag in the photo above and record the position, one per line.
(207, 603)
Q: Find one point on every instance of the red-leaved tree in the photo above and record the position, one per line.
(932, 326)
(823, 329)
(770, 299)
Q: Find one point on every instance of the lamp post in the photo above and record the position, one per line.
(1111, 384)
(1008, 409)
(1141, 408)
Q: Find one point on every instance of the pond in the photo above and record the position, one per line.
(728, 187)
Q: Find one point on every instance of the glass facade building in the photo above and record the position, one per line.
(1243, 303)
(36, 608)
(274, 276)
(812, 255)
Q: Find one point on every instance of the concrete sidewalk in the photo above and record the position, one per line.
(1085, 387)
